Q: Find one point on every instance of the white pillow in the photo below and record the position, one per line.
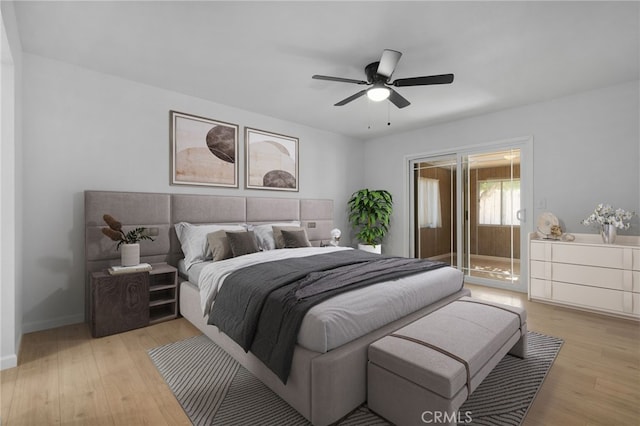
(264, 233)
(193, 239)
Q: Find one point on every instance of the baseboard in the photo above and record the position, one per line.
(447, 256)
(8, 361)
(496, 258)
(30, 327)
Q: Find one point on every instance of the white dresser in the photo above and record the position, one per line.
(587, 274)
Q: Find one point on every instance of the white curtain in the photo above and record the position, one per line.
(429, 203)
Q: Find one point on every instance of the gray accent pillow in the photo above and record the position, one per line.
(219, 245)
(277, 234)
(295, 239)
(242, 243)
(264, 233)
(193, 239)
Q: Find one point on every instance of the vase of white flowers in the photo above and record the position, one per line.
(608, 233)
(609, 220)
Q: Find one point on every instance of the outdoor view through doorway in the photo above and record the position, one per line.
(477, 195)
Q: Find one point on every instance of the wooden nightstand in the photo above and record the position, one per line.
(123, 302)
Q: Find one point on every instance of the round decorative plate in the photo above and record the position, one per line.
(545, 221)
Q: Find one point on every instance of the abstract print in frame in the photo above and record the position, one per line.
(203, 151)
(271, 161)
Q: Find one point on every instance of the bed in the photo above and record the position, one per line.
(327, 379)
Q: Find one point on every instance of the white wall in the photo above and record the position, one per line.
(87, 130)
(586, 151)
(10, 189)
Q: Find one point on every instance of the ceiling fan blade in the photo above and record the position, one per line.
(340, 79)
(424, 81)
(351, 98)
(388, 62)
(397, 99)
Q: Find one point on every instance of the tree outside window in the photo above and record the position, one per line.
(498, 202)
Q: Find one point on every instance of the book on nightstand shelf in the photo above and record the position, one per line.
(141, 267)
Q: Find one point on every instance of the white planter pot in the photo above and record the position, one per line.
(130, 254)
(371, 249)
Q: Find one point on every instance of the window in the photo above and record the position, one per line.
(498, 202)
(429, 203)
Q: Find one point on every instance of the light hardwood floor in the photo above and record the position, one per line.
(66, 377)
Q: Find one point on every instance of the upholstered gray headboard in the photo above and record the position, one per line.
(162, 211)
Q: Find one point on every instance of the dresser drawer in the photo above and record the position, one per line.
(537, 250)
(608, 257)
(539, 269)
(590, 276)
(540, 289)
(592, 297)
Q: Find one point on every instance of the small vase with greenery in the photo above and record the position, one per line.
(130, 255)
(115, 232)
(370, 215)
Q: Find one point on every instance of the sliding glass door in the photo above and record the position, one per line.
(467, 210)
(492, 211)
(434, 209)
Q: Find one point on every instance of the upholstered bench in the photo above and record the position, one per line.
(423, 372)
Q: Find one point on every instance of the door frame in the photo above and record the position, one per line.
(525, 145)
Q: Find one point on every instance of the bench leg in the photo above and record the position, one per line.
(520, 348)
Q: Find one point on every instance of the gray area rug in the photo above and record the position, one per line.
(214, 389)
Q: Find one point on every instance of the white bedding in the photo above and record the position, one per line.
(213, 274)
(192, 273)
(347, 316)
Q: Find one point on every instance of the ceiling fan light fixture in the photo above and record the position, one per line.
(378, 93)
(378, 77)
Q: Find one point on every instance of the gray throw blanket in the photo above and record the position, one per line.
(261, 307)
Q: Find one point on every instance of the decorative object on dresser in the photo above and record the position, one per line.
(545, 223)
(203, 151)
(556, 232)
(587, 274)
(609, 220)
(548, 228)
(370, 214)
(271, 160)
(130, 254)
(125, 301)
(335, 237)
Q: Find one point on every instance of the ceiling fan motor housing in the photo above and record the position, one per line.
(371, 72)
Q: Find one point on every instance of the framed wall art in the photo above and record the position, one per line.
(271, 161)
(203, 151)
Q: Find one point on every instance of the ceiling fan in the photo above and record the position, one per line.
(379, 76)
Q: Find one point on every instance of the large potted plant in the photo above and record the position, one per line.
(130, 254)
(370, 214)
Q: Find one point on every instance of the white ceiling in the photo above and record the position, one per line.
(260, 56)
